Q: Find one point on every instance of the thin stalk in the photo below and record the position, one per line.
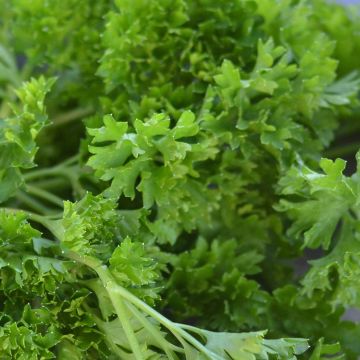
(43, 194)
(32, 203)
(46, 172)
(100, 324)
(69, 173)
(175, 329)
(63, 168)
(72, 115)
(54, 183)
(155, 333)
(55, 216)
(70, 161)
(189, 328)
(113, 288)
(117, 302)
(76, 185)
(121, 312)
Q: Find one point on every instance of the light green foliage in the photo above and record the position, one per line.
(18, 133)
(329, 202)
(176, 177)
(131, 266)
(325, 349)
(17, 340)
(330, 196)
(35, 291)
(83, 230)
(164, 159)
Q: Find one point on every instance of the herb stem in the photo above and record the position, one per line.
(155, 333)
(66, 170)
(113, 287)
(72, 115)
(46, 172)
(70, 161)
(51, 183)
(101, 325)
(115, 290)
(161, 319)
(121, 312)
(32, 203)
(41, 193)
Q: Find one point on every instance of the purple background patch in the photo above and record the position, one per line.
(349, 1)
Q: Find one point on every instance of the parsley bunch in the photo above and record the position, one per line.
(171, 181)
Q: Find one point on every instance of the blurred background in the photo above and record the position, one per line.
(349, 1)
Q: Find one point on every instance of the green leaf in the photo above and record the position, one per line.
(326, 349)
(338, 271)
(89, 226)
(328, 197)
(129, 264)
(18, 134)
(153, 158)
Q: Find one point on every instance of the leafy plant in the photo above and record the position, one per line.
(185, 174)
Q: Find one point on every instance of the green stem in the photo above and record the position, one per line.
(72, 115)
(68, 172)
(46, 172)
(157, 316)
(190, 328)
(70, 161)
(66, 167)
(54, 183)
(39, 219)
(121, 312)
(114, 289)
(76, 185)
(100, 324)
(55, 216)
(45, 195)
(117, 302)
(32, 203)
(155, 333)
